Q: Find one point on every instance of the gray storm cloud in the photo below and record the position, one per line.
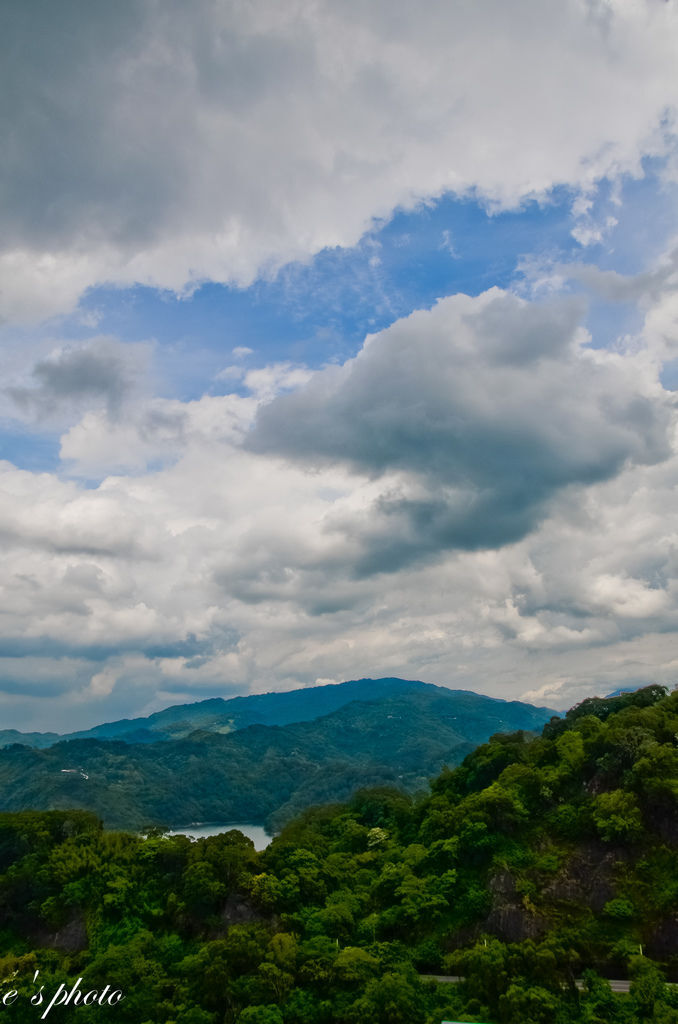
(511, 479)
(101, 372)
(170, 143)
(475, 415)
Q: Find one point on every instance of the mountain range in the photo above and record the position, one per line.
(260, 758)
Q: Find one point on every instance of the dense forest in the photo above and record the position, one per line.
(261, 773)
(533, 870)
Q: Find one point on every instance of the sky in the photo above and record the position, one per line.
(338, 339)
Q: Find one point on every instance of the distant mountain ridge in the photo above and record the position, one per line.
(28, 739)
(264, 773)
(221, 715)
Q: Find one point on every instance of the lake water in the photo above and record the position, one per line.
(256, 833)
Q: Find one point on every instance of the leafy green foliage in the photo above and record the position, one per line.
(262, 773)
(226, 716)
(535, 863)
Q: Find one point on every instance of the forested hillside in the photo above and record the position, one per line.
(261, 774)
(534, 863)
(285, 707)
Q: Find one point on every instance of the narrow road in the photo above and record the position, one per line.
(616, 984)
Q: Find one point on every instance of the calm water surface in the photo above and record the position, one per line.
(256, 833)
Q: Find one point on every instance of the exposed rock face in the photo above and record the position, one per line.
(588, 879)
(70, 938)
(667, 827)
(503, 884)
(663, 940)
(237, 910)
(513, 923)
(511, 918)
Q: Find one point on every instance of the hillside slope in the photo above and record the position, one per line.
(535, 863)
(260, 773)
(279, 708)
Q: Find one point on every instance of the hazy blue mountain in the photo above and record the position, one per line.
(264, 773)
(622, 690)
(29, 739)
(303, 705)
